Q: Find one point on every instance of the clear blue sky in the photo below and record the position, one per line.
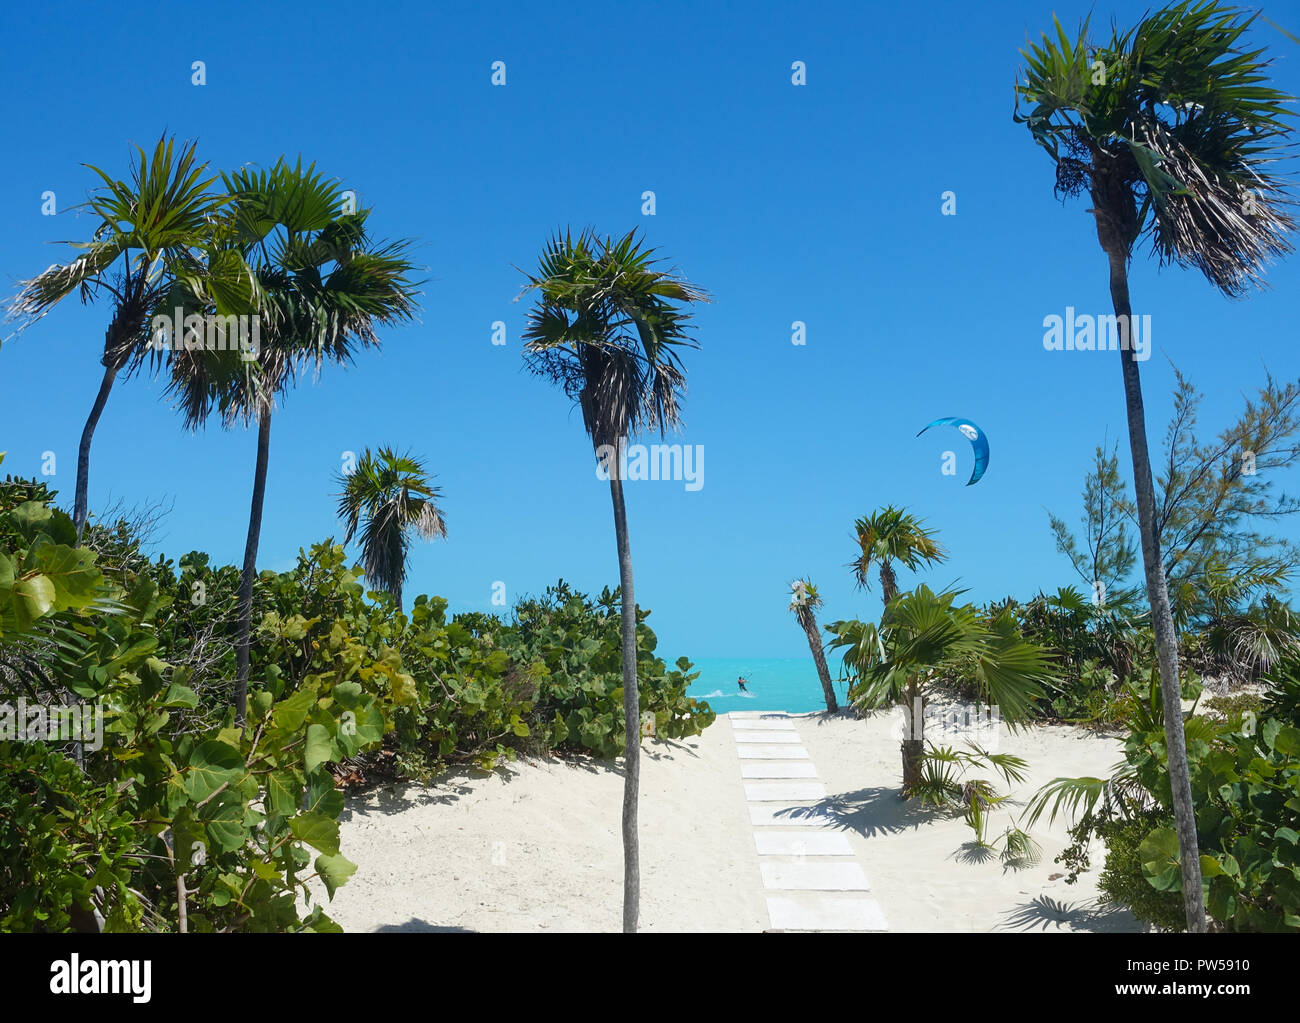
(819, 203)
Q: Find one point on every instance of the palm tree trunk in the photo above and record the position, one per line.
(79, 508)
(913, 741)
(1161, 618)
(809, 623)
(888, 582)
(631, 717)
(250, 565)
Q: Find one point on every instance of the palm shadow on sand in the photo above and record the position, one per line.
(417, 926)
(869, 812)
(1043, 912)
(447, 788)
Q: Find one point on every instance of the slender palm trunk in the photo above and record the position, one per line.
(250, 565)
(809, 622)
(631, 716)
(80, 505)
(1161, 618)
(913, 740)
(888, 582)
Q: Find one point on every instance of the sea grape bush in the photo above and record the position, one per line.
(182, 821)
(1246, 786)
(1245, 775)
(178, 821)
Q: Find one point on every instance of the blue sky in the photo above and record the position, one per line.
(818, 203)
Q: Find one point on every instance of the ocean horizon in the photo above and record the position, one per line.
(773, 683)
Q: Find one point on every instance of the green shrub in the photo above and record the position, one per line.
(182, 819)
(1235, 705)
(1121, 882)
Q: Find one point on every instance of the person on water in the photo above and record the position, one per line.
(740, 681)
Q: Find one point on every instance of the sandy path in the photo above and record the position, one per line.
(923, 868)
(538, 847)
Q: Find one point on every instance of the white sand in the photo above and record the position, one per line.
(539, 848)
(922, 865)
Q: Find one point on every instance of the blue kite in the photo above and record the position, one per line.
(978, 442)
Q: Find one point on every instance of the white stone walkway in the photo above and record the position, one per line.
(813, 879)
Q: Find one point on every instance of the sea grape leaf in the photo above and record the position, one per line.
(211, 765)
(334, 871)
(318, 831)
(1159, 855)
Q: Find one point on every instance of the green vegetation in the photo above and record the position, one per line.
(805, 602)
(394, 496)
(608, 327)
(1171, 133)
(183, 821)
(1245, 776)
(147, 238)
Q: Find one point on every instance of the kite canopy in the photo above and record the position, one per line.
(978, 441)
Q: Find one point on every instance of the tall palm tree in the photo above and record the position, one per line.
(145, 235)
(893, 535)
(1171, 131)
(805, 602)
(394, 495)
(323, 287)
(607, 327)
(920, 633)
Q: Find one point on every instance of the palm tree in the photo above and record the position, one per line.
(888, 535)
(921, 634)
(805, 602)
(145, 235)
(322, 288)
(607, 327)
(394, 495)
(1171, 131)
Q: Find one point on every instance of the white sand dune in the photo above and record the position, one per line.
(537, 847)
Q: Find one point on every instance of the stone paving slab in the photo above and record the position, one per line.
(778, 770)
(824, 913)
(814, 876)
(749, 735)
(805, 843)
(763, 725)
(772, 753)
(790, 817)
(785, 791)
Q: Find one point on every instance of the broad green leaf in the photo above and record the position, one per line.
(223, 820)
(283, 793)
(318, 831)
(323, 796)
(334, 871)
(1159, 855)
(320, 748)
(1287, 741)
(290, 713)
(211, 765)
(33, 597)
(72, 571)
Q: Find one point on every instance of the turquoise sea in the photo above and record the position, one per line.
(774, 683)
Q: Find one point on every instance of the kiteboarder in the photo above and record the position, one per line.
(740, 681)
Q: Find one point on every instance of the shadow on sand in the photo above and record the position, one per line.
(447, 788)
(418, 926)
(1044, 912)
(869, 812)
